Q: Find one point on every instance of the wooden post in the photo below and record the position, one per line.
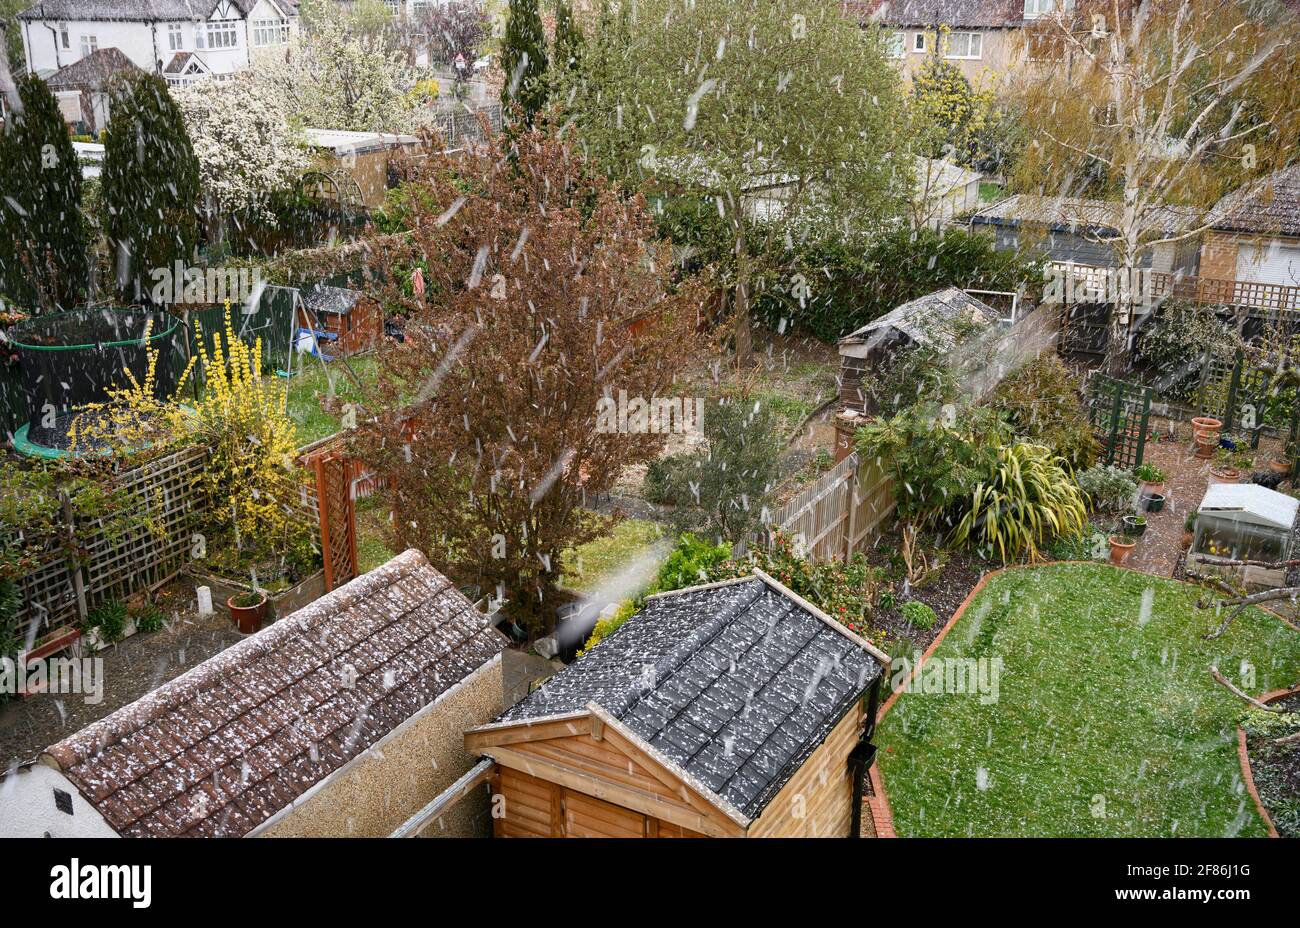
(855, 481)
(78, 580)
(322, 514)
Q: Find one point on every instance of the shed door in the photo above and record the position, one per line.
(588, 817)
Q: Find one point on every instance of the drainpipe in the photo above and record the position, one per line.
(862, 756)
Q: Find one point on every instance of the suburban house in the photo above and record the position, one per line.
(733, 709)
(981, 37)
(183, 40)
(1253, 237)
(1072, 229)
(82, 88)
(343, 718)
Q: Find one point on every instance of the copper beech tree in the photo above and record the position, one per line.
(532, 290)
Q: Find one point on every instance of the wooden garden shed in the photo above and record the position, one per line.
(942, 320)
(735, 709)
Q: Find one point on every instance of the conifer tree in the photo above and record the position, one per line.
(568, 37)
(523, 58)
(150, 184)
(42, 235)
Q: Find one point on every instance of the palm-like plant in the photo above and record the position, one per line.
(1030, 497)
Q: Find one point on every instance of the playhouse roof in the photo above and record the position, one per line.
(320, 298)
(732, 684)
(1250, 503)
(224, 747)
(928, 320)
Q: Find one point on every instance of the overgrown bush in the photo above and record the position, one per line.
(689, 563)
(1177, 341)
(847, 286)
(1108, 488)
(918, 614)
(1042, 403)
(721, 490)
(1028, 499)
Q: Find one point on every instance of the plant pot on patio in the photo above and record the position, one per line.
(1205, 431)
(1121, 546)
(1152, 502)
(1151, 478)
(1205, 450)
(1279, 466)
(1134, 526)
(1224, 474)
(248, 610)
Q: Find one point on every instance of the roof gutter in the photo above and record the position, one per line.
(862, 757)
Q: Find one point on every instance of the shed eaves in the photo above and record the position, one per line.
(735, 684)
(222, 748)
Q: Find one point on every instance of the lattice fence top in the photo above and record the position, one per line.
(1119, 413)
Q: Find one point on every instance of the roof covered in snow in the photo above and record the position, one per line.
(138, 10)
(939, 176)
(934, 319)
(222, 748)
(1270, 205)
(1080, 213)
(93, 71)
(734, 683)
(344, 141)
(1250, 503)
(974, 14)
(322, 298)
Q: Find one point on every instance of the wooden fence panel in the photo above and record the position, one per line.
(837, 516)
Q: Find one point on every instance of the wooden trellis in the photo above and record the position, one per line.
(1119, 413)
(335, 476)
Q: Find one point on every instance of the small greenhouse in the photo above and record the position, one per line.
(1245, 521)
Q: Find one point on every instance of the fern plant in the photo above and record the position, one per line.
(1030, 497)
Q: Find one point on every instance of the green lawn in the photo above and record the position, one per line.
(989, 192)
(308, 387)
(1107, 722)
(588, 566)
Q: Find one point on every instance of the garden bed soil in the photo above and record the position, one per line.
(1275, 769)
(943, 591)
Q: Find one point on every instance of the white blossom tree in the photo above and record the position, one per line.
(337, 75)
(246, 145)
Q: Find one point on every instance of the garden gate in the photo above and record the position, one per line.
(1119, 413)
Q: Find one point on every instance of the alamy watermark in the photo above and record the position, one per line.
(179, 284)
(1069, 285)
(78, 676)
(951, 676)
(657, 415)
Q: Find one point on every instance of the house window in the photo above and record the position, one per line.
(89, 43)
(918, 42)
(1036, 8)
(894, 44)
(222, 31)
(175, 41)
(63, 35)
(270, 32)
(964, 45)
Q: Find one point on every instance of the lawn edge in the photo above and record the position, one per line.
(1243, 755)
(883, 813)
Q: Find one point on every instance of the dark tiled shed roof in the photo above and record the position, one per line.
(736, 684)
(225, 746)
(1269, 206)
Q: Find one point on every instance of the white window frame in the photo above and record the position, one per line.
(972, 40)
(1037, 9)
(175, 37)
(64, 36)
(896, 44)
(918, 43)
(221, 31)
(89, 45)
(268, 32)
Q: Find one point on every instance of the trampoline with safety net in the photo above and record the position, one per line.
(71, 359)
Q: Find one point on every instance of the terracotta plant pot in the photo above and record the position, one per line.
(1152, 489)
(1120, 549)
(1206, 429)
(248, 618)
(1205, 450)
(1279, 466)
(1224, 475)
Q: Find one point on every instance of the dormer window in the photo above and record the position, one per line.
(222, 27)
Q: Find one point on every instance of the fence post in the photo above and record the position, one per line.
(1114, 420)
(1230, 414)
(78, 580)
(854, 482)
